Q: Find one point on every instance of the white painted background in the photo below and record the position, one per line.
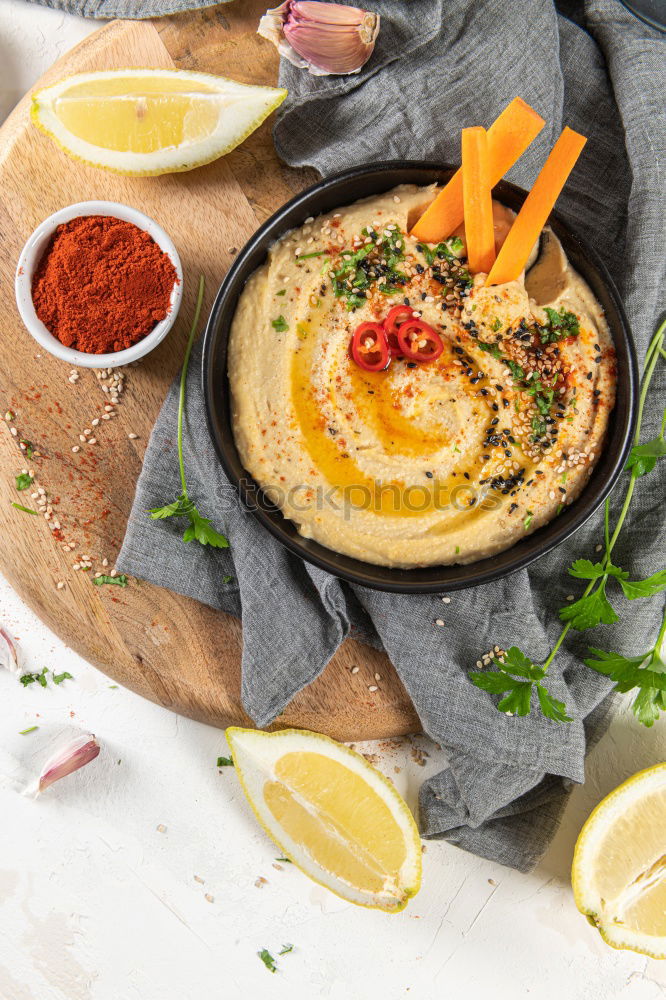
(97, 904)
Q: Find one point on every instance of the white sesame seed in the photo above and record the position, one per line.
(446, 600)
(114, 572)
(598, 548)
(105, 562)
(372, 687)
(60, 585)
(76, 448)
(439, 622)
(396, 199)
(133, 436)
(92, 440)
(378, 677)
(76, 566)
(95, 422)
(13, 431)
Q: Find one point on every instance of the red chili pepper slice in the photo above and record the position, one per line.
(369, 347)
(418, 341)
(396, 317)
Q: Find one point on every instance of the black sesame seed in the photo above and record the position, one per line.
(495, 407)
(514, 506)
(412, 364)
(466, 475)
(429, 475)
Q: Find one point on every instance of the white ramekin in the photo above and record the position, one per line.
(30, 257)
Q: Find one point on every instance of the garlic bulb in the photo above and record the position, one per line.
(325, 38)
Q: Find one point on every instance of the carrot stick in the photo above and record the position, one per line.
(508, 138)
(477, 201)
(536, 208)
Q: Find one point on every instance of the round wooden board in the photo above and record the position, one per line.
(175, 651)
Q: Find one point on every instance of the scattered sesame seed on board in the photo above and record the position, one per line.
(161, 828)
(355, 670)
(372, 687)
(438, 621)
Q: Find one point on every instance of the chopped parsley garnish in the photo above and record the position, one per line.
(374, 263)
(307, 256)
(64, 676)
(286, 948)
(515, 369)
(288, 860)
(560, 325)
(31, 729)
(490, 349)
(267, 959)
(120, 581)
(528, 519)
(225, 762)
(497, 325)
(227, 579)
(280, 324)
(448, 250)
(26, 679)
(23, 481)
(283, 291)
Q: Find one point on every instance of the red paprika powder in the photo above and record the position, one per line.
(102, 284)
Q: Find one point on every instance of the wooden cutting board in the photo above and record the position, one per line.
(175, 651)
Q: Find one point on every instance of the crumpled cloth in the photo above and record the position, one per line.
(437, 67)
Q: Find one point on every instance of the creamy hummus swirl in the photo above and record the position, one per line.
(421, 464)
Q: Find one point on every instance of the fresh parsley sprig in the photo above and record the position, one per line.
(645, 673)
(518, 675)
(199, 529)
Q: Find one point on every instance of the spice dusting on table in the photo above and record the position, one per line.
(102, 284)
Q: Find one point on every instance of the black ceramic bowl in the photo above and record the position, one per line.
(343, 189)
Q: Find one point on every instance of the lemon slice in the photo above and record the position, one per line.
(619, 865)
(332, 814)
(150, 121)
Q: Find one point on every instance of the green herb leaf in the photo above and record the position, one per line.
(59, 678)
(560, 325)
(307, 256)
(225, 762)
(283, 291)
(267, 959)
(26, 679)
(515, 369)
(288, 860)
(489, 349)
(595, 609)
(644, 588)
(646, 673)
(497, 325)
(23, 481)
(119, 581)
(528, 519)
(286, 948)
(517, 701)
(26, 510)
(584, 569)
(280, 324)
(551, 707)
(28, 446)
(202, 531)
(30, 729)
(227, 579)
(643, 457)
(177, 508)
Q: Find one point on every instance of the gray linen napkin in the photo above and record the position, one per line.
(136, 9)
(439, 66)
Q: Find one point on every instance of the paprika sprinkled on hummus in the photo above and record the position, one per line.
(102, 284)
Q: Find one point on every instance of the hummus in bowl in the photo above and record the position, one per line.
(449, 461)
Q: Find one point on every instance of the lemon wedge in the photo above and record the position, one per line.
(150, 121)
(619, 865)
(331, 813)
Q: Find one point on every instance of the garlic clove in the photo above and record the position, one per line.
(8, 653)
(325, 38)
(79, 752)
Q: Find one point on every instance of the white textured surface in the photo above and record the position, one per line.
(97, 904)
